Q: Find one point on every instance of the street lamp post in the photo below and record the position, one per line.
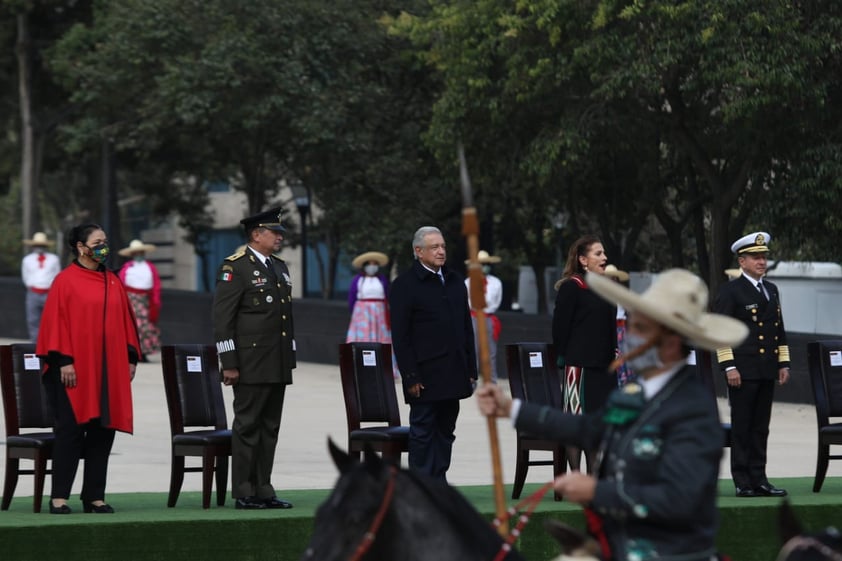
(301, 197)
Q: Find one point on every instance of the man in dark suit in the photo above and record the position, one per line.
(434, 345)
(252, 323)
(753, 368)
(659, 441)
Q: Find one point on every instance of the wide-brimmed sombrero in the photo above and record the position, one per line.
(732, 273)
(136, 246)
(363, 258)
(615, 273)
(38, 239)
(677, 299)
(484, 257)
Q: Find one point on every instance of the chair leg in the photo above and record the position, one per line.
(176, 479)
(208, 460)
(12, 467)
(821, 466)
(559, 467)
(520, 470)
(221, 479)
(39, 474)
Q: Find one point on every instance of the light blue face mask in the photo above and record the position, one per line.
(371, 270)
(646, 361)
(138, 258)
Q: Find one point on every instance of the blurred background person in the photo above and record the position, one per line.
(624, 372)
(88, 342)
(143, 284)
(38, 269)
(368, 300)
(584, 335)
(493, 298)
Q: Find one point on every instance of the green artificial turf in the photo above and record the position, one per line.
(145, 529)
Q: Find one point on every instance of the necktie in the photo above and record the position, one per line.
(270, 268)
(762, 290)
(441, 276)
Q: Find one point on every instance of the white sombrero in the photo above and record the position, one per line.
(38, 239)
(677, 299)
(484, 257)
(732, 273)
(615, 273)
(136, 246)
(363, 258)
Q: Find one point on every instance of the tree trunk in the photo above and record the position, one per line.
(28, 188)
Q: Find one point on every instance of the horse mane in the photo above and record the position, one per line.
(462, 515)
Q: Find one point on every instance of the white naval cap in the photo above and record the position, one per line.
(752, 243)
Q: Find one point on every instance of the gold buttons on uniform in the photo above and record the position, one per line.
(283, 333)
(284, 316)
(760, 324)
(775, 351)
(762, 351)
(760, 337)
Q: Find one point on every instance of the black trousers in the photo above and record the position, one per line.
(751, 410)
(254, 437)
(89, 441)
(431, 434)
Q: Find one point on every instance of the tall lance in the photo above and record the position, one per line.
(470, 229)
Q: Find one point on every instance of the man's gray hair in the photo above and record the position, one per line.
(418, 238)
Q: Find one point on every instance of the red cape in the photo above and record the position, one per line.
(75, 324)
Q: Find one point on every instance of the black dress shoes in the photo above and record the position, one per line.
(104, 508)
(745, 492)
(249, 503)
(769, 490)
(275, 502)
(63, 509)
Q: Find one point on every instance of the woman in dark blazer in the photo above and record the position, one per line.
(584, 335)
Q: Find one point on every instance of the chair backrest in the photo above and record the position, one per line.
(193, 387)
(824, 359)
(24, 399)
(368, 384)
(533, 374)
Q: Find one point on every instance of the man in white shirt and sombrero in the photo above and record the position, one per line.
(38, 269)
(143, 286)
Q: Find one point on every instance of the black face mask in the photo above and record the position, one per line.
(99, 253)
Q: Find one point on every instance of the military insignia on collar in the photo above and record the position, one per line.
(287, 279)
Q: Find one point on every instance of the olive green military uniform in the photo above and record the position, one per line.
(253, 328)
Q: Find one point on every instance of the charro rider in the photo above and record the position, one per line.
(252, 323)
(653, 491)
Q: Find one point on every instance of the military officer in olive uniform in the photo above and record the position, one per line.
(252, 323)
(753, 368)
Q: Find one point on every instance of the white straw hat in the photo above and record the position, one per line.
(38, 239)
(363, 258)
(136, 246)
(678, 300)
(615, 273)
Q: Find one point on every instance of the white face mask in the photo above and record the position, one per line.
(138, 258)
(486, 269)
(371, 270)
(648, 360)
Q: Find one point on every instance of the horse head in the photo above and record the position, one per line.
(801, 546)
(377, 511)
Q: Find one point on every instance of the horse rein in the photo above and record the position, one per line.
(371, 533)
(531, 502)
(808, 542)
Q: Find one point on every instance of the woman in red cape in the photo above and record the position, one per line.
(89, 343)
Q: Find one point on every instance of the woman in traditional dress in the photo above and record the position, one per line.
(89, 344)
(584, 335)
(143, 284)
(368, 300)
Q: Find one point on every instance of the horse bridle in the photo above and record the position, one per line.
(371, 533)
(808, 542)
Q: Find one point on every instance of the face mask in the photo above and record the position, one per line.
(649, 359)
(371, 270)
(39, 250)
(99, 253)
(486, 269)
(138, 258)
